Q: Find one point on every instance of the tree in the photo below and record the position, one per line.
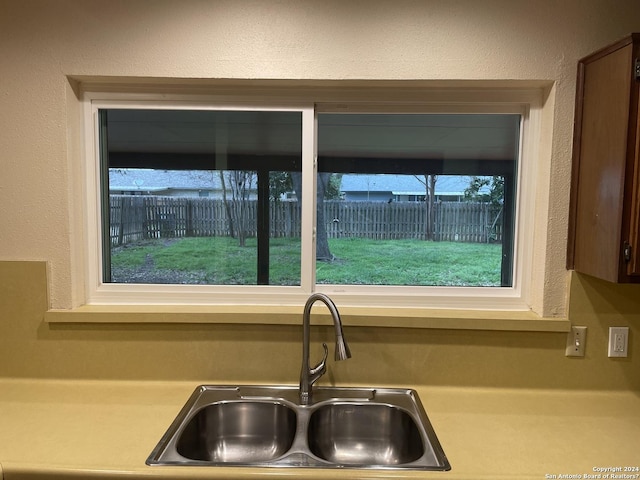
(240, 182)
(279, 184)
(227, 205)
(225, 184)
(332, 190)
(495, 195)
(429, 183)
(323, 253)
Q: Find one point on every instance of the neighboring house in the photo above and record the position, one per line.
(172, 183)
(402, 188)
(354, 187)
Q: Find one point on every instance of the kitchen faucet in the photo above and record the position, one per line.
(308, 375)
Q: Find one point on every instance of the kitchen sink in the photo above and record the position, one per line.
(268, 426)
(238, 431)
(364, 434)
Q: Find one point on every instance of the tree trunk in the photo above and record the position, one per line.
(227, 207)
(429, 205)
(322, 240)
(323, 253)
(240, 182)
(432, 207)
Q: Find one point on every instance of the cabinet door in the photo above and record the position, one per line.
(633, 267)
(602, 155)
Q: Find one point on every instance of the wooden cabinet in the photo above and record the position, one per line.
(604, 217)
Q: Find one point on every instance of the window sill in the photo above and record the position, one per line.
(291, 315)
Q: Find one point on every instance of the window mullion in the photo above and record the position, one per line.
(309, 174)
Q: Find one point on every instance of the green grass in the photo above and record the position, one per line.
(357, 261)
(411, 262)
(219, 260)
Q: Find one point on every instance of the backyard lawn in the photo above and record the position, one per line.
(220, 261)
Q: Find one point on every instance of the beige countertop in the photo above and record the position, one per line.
(106, 429)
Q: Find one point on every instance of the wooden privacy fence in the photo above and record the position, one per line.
(136, 218)
(453, 221)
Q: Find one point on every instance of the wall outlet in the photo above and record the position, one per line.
(576, 341)
(618, 341)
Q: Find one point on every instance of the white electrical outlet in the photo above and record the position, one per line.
(618, 341)
(576, 341)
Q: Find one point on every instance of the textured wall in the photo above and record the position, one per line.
(42, 42)
(219, 353)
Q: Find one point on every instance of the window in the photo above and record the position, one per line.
(266, 201)
(397, 224)
(240, 234)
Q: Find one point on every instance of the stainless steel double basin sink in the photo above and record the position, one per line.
(266, 426)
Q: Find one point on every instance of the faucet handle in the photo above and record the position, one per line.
(319, 370)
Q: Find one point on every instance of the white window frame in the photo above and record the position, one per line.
(526, 102)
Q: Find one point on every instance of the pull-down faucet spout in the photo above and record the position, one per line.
(308, 375)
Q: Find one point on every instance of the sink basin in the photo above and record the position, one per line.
(240, 431)
(267, 426)
(364, 434)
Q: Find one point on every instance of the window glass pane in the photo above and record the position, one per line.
(200, 197)
(417, 199)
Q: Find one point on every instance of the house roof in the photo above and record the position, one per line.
(150, 180)
(405, 184)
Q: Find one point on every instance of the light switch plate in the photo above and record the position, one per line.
(618, 341)
(576, 342)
